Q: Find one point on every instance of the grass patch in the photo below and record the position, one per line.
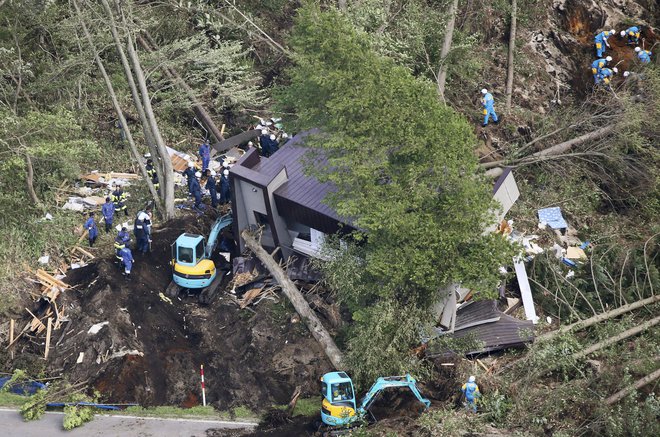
(307, 407)
(12, 399)
(208, 412)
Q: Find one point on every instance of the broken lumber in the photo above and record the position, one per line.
(616, 397)
(297, 300)
(622, 336)
(600, 317)
(48, 332)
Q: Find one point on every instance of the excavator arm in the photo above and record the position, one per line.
(391, 381)
(218, 226)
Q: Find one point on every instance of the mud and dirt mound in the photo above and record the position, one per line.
(150, 350)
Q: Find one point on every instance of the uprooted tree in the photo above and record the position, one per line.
(405, 175)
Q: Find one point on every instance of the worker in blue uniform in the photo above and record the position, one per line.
(127, 261)
(274, 144)
(488, 103)
(119, 199)
(92, 230)
(121, 240)
(264, 142)
(205, 154)
(605, 76)
(598, 65)
(211, 186)
(189, 173)
(196, 190)
(153, 175)
(225, 188)
(633, 34)
(643, 55)
(601, 41)
(142, 230)
(108, 211)
(471, 391)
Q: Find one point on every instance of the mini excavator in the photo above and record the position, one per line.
(192, 266)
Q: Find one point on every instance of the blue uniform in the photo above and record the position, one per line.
(471, 392)
(142, 230)
(644, 56)
(108, 211)
(127, 260)
(210, 185)
(225, 190)
(601, 42)
(597, 66)
(189, 173)
(121, 240)
(196, 191)
(604, 76)
(205, 154)
(633, 34)
(92, 230)
(489, 110)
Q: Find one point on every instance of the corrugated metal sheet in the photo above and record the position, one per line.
(476, 313)
(507, 332)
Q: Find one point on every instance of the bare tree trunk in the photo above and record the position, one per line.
(612, 340)
(512, 48)
(148, 136)
(342, 5)
(298, 300)
(115, 104)
(446, 47)
(174, 76)
(616, 397)
(168, 171)
(30, 179)
(600, 317)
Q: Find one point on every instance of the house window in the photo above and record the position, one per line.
(262, 220)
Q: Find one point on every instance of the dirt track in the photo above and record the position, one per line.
(251, 358)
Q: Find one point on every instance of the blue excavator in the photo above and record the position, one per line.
(339, 406)
(192, 266)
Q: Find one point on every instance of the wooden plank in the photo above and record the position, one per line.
(48, 332)
(35, 318)
(84, 252)
(42, 274)
(525, 290)
(12, 325)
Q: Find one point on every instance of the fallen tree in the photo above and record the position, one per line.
(297, 300)
(616, 397)
(622, 336)
(600, 317)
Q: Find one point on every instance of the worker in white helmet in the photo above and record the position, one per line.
(211, 186)
(471, 391)
(633, 32)
(598, 65)
(225, 188)
(643, 55)
(488, 104)
(189, 173)
(601, 42)
(196, 191)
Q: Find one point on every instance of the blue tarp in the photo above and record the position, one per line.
(552, 216)
(85, 404)
(23, 388)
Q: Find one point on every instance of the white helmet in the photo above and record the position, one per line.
(626, 73)
(226, 172)
(608, 59)
(638, 49)
(484, 91)
(264, 131)
(616, 70)
(198, 175)
(472, 379)
(147, 155)
(612, 32)
(225, 164)
(272, 137)
(190, 164)
(213, 173)
(285, 135)
(250, 144)
(623, 33)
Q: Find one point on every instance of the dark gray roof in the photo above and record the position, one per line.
(476, 313)
(507, 332)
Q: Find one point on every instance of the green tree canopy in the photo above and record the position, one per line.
(405, 174)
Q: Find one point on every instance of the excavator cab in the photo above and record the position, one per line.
(191, 266)
(338, 405)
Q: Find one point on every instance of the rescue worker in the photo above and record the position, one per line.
(274, 144)
(151, 172)
(471, 391)
(127, 261)
(488, 103)
(598, 65)
(108, 211)
(211, 186)
(225, 189)
(264, 141)
(142, 230)
(196, 190)
(605, 75)
(119, 198)
(601, 42)
(121, 241)
(633, 33)
(92, 230)
(643, 55)
(205, 154)
(189, 173)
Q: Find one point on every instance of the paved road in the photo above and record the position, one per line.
(12, 424)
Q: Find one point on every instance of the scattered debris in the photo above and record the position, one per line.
(164, 298)
(552, 217)
(44, 260)
(94, 329)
